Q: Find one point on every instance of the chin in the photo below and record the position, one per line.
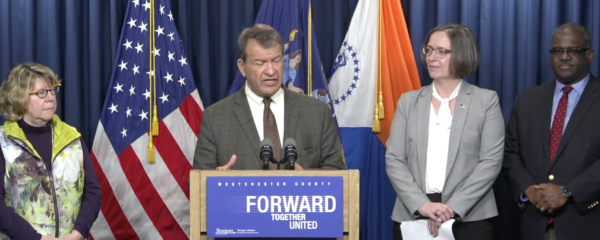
(270, 91)
(434, 76)
(48, 117)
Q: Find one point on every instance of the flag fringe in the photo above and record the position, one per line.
(380, 106)
(150, 150)
(155, 123)
(376, 127)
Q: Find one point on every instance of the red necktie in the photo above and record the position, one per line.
(558, 123)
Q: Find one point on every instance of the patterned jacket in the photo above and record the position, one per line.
(50, 202)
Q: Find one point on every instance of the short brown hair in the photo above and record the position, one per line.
(465, 56)
(264, 34)
(15, 89)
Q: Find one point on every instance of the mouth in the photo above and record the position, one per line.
(270, 82)
(564, 66)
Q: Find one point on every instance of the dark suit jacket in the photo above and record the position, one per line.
(228, 128)
(576, 164)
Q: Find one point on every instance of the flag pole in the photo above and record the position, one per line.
(378, 104)
(309, 88)
(379, 57)
(152, 70)
(153, 45)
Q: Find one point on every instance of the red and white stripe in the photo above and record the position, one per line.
(142, 200)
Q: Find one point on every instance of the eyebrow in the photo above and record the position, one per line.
(264, 60)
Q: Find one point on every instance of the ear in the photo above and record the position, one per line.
(240, 64)
(590, 55)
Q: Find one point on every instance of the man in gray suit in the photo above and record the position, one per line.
(232, 129)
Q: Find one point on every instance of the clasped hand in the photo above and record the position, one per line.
(75, 235)
(437, 213)
(546, 197)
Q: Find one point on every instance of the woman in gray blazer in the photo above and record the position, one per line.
(446, 143)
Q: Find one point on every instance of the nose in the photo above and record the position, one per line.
(50, 97)
(431, 57)
(270, 69)
(565, 56)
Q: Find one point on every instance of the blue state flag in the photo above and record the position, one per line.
(291, 19)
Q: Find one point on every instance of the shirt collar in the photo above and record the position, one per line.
(577, 87)
(258, 99)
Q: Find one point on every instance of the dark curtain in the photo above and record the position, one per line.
(78, 40)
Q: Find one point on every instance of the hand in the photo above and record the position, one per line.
(229, 164)
(533, 194)
(437, 211)
(434, 227)
(49, 238)
(551, 197)
(297, 166)
(74, 235)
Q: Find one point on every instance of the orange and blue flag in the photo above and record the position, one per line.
(374, 66)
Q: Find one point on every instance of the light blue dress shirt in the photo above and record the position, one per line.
(574, 97)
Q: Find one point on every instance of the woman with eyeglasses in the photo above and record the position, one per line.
(48, 187)
(446, 142)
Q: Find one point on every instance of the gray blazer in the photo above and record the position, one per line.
(474, 155)
(228, 128)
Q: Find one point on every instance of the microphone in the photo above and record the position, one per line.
(266, 152)
(290, 153)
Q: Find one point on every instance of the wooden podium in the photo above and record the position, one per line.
(351, 179)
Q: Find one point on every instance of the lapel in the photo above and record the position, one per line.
(423, 112)
(544, 117)
(587, 99)
(458, 122)
(244, 117)
(291, 115)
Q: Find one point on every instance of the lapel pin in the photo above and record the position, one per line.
(462, 106)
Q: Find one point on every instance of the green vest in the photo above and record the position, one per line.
(46, 200)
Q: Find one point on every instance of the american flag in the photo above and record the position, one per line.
(142, 200)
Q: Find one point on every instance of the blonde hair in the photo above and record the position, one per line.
(15, 89)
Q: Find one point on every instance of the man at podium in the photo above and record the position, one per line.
(232, 129)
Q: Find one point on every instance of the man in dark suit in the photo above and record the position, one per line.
(232, 129)
(552, 147)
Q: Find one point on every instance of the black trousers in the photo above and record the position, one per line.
(477, 230)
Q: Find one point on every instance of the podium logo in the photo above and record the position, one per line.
(224, 231)
(278, 204)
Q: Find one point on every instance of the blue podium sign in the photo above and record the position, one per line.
(282, 206)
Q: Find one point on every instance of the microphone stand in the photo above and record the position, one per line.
(292, 164)
(273, 160)
(265, 165)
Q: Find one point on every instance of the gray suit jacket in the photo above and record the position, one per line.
(474, 155)
(228, 128)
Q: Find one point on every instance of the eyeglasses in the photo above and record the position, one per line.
(573, 52)
(42, 93)
(439, 52)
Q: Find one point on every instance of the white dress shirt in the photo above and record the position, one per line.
(257, 107)
(438, 142)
